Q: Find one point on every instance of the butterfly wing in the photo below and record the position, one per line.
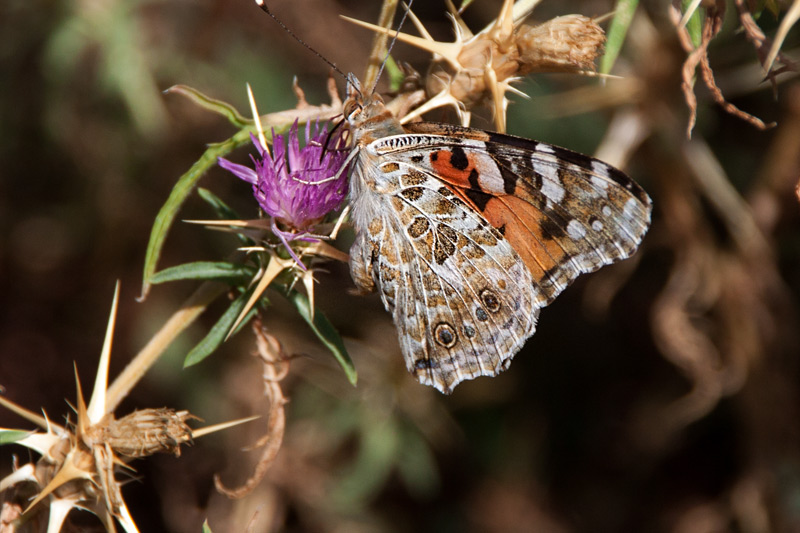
(461, 298)
(564, 213)
(468, 234)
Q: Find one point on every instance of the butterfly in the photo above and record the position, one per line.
(467, 234)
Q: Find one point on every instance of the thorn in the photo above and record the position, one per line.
(257, 119)
(448, 51)
(219, 427)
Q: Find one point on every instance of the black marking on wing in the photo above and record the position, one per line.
(458, 159)
(475, 193)
(509, 177)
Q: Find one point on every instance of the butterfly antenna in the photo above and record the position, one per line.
(391, 44)
(265, 9)
(328, 139)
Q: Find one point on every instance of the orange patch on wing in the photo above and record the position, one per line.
(453, 166)
(523, 225)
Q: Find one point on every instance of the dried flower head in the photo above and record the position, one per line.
(570, 43)
(479, 68)
(80, 461)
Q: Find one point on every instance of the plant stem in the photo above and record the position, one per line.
(180, 320)
(378, 54)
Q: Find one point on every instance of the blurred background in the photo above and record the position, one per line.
(659, 394)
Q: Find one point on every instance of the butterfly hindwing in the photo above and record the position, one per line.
(461, 298)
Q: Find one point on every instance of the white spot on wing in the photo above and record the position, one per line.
(631, 208)
(597, 225)
(544, 148)
(551, 184)
(576, 230)
(601, 169)
(600, 183)
(491, 182)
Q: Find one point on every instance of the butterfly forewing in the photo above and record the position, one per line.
(564, 213)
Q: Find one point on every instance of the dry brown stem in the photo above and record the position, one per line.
(275, 367)
(762, 44)
(698, 57)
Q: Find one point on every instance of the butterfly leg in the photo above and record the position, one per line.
(362, 257)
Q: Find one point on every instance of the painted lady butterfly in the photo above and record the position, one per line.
(468, 234)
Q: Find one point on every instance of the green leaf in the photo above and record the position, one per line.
(124, 65)
(180, 192)
(396, 75)
(416, 464)
(10, 436)
(325, 332)
(623, 15)
(222, 209)
(695, 28)
(212, 104)
(206, 527)
(219, 331)
(378, 453)
(695, 24)
(205, 270)
(224, 212)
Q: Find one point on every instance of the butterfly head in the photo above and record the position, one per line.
(366, 114)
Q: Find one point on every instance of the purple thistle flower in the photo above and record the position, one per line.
(294, 185)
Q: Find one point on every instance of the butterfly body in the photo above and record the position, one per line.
(466, 234)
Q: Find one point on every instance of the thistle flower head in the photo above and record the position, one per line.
(297, 186)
